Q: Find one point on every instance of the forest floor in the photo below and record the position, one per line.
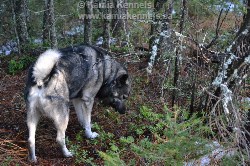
(13, 129)
(146, 91)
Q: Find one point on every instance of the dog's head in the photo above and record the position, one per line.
(115, 93)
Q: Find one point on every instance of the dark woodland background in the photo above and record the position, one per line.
(189, 62)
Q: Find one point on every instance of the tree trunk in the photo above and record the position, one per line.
(49, 29)
(120, 22)
(46, 37)
(106, 29)
(165, 35)
(246, 19)
(227, 85)
(15, 25)
(159, 29)
(53, 24)
(88, 22)
(177, 58)
(21, 11)
(156, 24)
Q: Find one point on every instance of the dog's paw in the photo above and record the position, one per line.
(68, 154)
(91, 135)
(32, 159)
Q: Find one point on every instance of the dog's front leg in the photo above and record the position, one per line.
(83, 109)
(87, 109)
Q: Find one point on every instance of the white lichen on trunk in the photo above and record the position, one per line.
(226, 97)
(166, 34)
(181, 36)
(153, 56)
(245, 32)
(223, 72)
(247, 59)
(226, 93)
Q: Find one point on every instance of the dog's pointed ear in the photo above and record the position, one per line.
(123, 80)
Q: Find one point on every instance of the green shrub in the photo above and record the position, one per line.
(19, 65)
(174, 139)
(112, 159)
(81, 155)
(7, 161)
(156, 138)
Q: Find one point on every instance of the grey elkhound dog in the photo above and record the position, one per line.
(79, 74)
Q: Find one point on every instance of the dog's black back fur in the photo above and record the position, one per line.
(78, 63)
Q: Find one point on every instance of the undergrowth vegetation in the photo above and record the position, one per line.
(19, 64)
(153, 138)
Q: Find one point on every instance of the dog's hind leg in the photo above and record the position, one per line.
(33, 117)
(61, 123)
(83, 110)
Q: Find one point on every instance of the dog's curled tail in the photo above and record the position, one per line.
(44, 65)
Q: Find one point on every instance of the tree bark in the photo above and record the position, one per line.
(159, 31)
(46, 37)
(177, 58)
(120, 22)
(15, 26)
(156, 25)
(246, 19)
(49, 28)
(52, 20)
(21, 11)
(106, 28)
(165, 35)
(88, 22)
